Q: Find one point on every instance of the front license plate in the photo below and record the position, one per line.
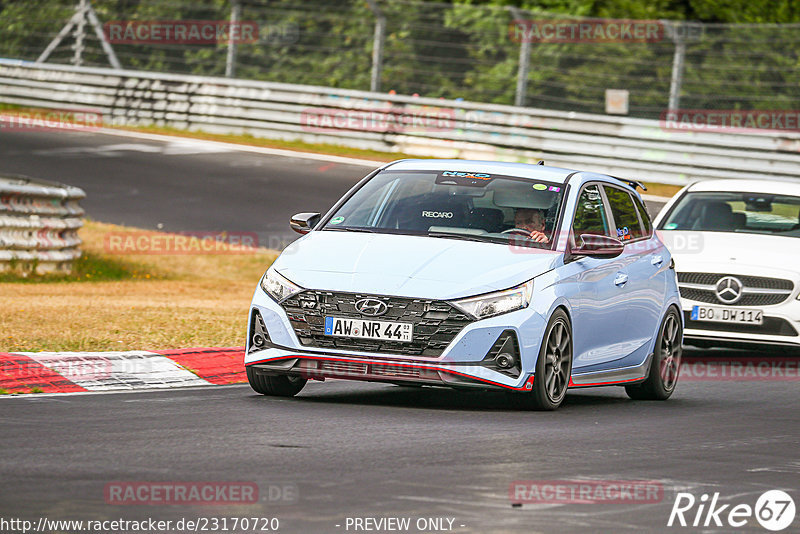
(716, 314)
(368, 329)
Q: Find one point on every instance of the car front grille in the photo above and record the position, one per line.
(709, 296)
(757, 290)
(435, 323)
(760, 282)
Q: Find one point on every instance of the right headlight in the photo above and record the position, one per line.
(277, 286)
(497, 303)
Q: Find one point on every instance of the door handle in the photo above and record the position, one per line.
(657, 261)
(621, 279)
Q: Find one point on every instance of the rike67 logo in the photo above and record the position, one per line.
(774, 510)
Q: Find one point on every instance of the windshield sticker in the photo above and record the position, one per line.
(471, 175)
(670, 226)
(337, 220)
(438, 214)
(467, 179)
(623, 233)
(539, 187)
(554, 189)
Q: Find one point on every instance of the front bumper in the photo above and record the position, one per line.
(316, 366)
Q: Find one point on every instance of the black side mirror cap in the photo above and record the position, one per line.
(302, 223)
(598, 246)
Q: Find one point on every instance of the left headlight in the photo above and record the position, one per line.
(497, 303)
(277, 286)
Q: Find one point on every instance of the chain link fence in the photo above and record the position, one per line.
(455, 51)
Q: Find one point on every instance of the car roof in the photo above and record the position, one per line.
(521, 170)
(772, 187)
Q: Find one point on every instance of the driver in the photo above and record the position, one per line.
(532, 220)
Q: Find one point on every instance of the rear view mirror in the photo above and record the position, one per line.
(302, 223)
(598, 246)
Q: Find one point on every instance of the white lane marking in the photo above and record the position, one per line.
(102, 150)
(221, 146)
(100, 371)
(178, 147)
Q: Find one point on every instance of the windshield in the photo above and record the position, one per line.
(749, 213)
(452, 204)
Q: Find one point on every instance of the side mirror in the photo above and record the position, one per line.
(302, 223)
(598, 246)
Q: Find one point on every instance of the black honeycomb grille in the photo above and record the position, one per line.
(436, 323)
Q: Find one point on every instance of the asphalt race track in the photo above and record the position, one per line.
(181, 185)
(357, 450)
(370, 450)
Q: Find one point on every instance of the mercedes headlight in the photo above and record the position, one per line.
(278, 287)
(497, 303)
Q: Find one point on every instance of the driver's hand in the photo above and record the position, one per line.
(539, 237)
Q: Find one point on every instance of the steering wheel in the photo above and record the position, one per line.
(517, 231)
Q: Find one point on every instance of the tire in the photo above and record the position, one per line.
(666, 364)
(553, 366)
(278, 386)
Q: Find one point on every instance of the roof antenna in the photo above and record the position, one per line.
(541, 162)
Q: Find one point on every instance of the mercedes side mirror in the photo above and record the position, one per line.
(598, 246)
(302, 223)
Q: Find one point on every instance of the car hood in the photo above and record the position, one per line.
(411, 266)
(730, 253)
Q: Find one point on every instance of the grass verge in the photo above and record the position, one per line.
(131, 302)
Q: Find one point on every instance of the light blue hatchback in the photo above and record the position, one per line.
(473, 274)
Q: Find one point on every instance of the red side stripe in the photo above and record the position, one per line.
(217, 365)
(21, 374)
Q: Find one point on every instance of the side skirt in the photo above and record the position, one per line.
(624, 376)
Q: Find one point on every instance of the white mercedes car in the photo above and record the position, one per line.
(736, 246)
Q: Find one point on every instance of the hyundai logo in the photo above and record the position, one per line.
(373, 307)
(729, 289)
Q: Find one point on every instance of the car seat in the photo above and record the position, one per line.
(419, 213)
(489, 219)
(716, 215)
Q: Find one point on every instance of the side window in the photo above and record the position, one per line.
(644, 217)
(625, 216)
(590, 214)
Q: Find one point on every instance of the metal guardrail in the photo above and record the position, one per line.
(39, 224)
(639, 149)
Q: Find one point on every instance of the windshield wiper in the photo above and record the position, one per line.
(363, 230)
(465, 237)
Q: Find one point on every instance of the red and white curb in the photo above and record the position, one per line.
(69, 372)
